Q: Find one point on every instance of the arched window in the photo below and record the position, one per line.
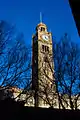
(42, 29)
(45, 48)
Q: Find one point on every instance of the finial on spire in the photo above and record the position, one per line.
(40, 17)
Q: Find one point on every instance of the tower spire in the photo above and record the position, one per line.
(40, 17)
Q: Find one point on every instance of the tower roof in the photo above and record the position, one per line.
(41, 24)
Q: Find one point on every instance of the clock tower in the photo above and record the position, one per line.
(42, 61)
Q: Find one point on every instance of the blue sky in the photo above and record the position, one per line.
(25, 15)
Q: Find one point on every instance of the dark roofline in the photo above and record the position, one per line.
(75, 7)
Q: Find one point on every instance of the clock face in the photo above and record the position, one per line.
(45, 37)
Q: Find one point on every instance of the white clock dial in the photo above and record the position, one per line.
(45, 37)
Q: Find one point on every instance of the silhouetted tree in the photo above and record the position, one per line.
(15, 59)
(67, 64)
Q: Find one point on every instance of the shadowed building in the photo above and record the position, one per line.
(75, 7)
